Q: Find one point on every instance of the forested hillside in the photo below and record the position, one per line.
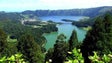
(91, 12)
(24, 42)
(13, 32)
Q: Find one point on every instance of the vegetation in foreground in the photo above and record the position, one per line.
(96, 47)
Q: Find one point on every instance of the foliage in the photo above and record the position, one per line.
(15, 30)
(87, 28)
(11, 40)
(85, 23)
(32, 23)
(73, 41)
(3, 43)
(17, 58)
(30, 49)
(98, 59)
(49, 28)
(99, 38)
(49, 54)
(14, 16)
(60, 49)
(75, 56)
(61, 37)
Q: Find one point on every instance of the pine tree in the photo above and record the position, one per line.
(3, 43)
(60, 49)
(73, 42)
(99, 38)
(30, 49)
(49, 55)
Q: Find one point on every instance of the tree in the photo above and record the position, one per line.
(61, 38)
(99, 38)
(3, 43)
(60, 49)
(49, 55)
(73, 42)
(30, 49)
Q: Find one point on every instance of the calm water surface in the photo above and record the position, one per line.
(66, 29)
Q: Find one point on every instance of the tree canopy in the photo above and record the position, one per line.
(73, 41)
(3, 43)
(30, 49)
(60, 49)
(99, 38)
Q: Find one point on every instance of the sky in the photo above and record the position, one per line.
(22, 5)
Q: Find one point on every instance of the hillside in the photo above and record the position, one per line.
(22, 39)
(12, 16)
(91, 12)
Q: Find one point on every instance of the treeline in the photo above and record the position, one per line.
(95, 48)
(59, 52)
(11, 24)
(29, 43)
(98, 39)
(91, 12)
(25, 40)
(14, 16)
(45, 27)
(13, 30)
(84, 23)
(87, 22)
(25, 45)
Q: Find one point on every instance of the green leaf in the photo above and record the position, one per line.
(3, 59)
(105, 58)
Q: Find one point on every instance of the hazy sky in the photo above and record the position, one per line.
(21, 5)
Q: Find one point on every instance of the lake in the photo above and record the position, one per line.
(65, 28)
(59, 18)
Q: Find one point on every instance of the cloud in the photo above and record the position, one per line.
(76, 3)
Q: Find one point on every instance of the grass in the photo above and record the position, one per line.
(11, 40)
(87, 28)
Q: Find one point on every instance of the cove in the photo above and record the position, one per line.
(65, 28)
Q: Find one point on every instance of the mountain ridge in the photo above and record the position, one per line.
(91, 12)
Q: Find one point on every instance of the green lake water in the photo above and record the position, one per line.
(66, 29)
